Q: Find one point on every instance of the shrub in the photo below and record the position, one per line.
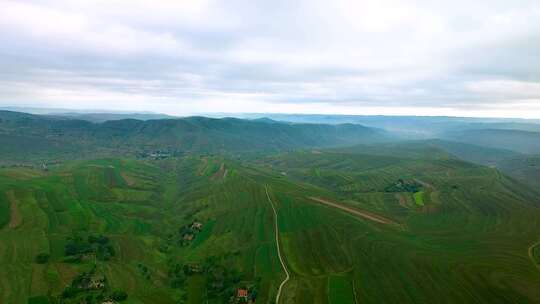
(42, 258)
(100, 239)
(119, 295)
(38, 300)
(69, 292)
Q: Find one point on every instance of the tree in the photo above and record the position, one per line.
(100, 239)
(119, 295)
(69, 292)
(42, 258)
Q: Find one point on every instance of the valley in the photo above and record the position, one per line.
(400, 221)
(269, 152)
(329, 251)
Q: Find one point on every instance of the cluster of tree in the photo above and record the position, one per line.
(70, 295)
(40, 300)
(42, 258)
(164, 247)
(144, 270)
(404, 186)
(76, 247)
(221, 281)
(88, 287)
(119, 295)
(178, 274)
(183, 236)
(188, 232)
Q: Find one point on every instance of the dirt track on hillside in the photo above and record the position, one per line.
(367, 215)
(15, 218)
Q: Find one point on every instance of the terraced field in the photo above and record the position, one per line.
(474, 223)
(195, 229)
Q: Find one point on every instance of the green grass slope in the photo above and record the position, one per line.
(525, 168)
(467, 243)
(143, 209)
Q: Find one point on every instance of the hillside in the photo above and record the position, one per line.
(354, 219)
(525, 168)
(42, 137)
(522, 167)
(474, 153)
(196, 228)
(520, 141)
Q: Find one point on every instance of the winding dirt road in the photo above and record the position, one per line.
(283, 265)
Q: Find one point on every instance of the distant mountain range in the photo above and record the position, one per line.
(103, 117)
(409, 127)
(522, 141)
(511, 134)
(39, 135)
(107, 133)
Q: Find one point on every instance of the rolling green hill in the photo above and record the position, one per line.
(355, 226)
(200, 210)
(474, 153)
(520, 141)
(524, 168)
(30, 137)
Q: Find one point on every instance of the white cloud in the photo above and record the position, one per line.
(79, 34)
(332, 56)
(511, 89)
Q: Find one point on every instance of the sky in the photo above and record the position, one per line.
(184, 57)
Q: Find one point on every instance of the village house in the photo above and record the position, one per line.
(242, 294)
(192, 268)
(97, 284)
(196, 225)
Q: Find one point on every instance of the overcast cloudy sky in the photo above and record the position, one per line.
(423, 57)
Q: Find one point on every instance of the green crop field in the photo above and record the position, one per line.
(181, 230)
(340, 290)
(419, 198)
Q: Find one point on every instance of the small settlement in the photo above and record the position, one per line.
(189, 232)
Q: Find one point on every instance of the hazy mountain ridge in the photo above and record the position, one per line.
(103, 117)
(27, 137)
(525, 169)
(190, 134)
(521, 141)
(412, 127)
